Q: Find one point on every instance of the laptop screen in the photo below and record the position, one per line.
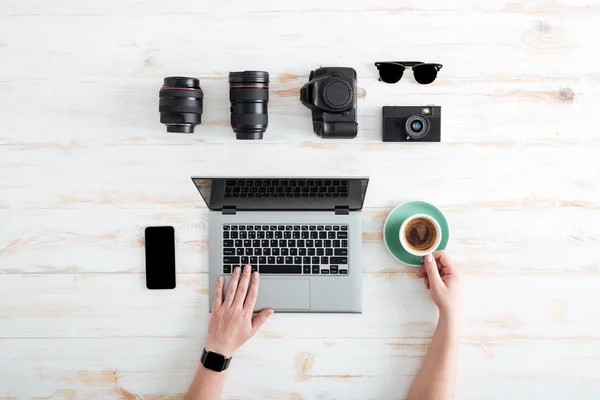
(291, 193)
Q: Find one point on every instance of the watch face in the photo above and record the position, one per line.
(214, 361)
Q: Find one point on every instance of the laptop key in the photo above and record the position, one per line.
(311, 252)
(226, 269)
(278, 235)
(328, 252)
(344, 243)
(337, 243)
(339, 260)
(239, 251)
(318, 243)
(253, 260)
(305, 235)
(336, 228)
(344, 228)
(289, 260)
(343, 272)
(254, 268)
(320, 228)
(247, 243)
(234, 235)
(324, 260)
(325, 272)
(283, 243)
(306, 269)
(320, 252)
(264, 243)
(227, 243)
(267, 251)
(305, 260)
(226, 235)
(333, 269)
(225, 227)
(229, 252)
(323, 235)
(280, 269)
(297, 260)
(279, 260)
(243, 235)
(258, 251)
(342, 235)
(231, 260)
(331, 235)
(274, 243)
(245, 260)
(293, 252)
(284, 252)
(275, 251)
(287, 235)
(262, 260)
(301, 252)
(315, 260)
(315, 269)
(271, 260)
(341, 252)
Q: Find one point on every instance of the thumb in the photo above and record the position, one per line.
(261, 318)
(432, 271)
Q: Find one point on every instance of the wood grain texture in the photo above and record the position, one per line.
(85, 166)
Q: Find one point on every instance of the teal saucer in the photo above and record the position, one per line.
(391, 229)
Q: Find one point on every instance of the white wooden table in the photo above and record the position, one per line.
(85, 166)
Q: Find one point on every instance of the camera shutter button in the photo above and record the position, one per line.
(337, 94)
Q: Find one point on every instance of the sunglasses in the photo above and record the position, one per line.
(391, 71)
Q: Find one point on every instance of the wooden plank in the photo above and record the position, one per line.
(298, 368)
(112, 241)
(119, 305)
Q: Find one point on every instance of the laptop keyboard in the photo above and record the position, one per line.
(287, 249)
(259, 188)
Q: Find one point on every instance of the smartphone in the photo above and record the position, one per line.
(160, 257)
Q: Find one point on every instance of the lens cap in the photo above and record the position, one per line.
(337, 94)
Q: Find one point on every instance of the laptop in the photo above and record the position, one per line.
(304, 236)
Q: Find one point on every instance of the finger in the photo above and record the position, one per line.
(421, 272)
(443, 258)
(233, 284)
(242, 290)
(252, 292)
(261, 318)
(426, 282)
(218, 300)
(432, 271)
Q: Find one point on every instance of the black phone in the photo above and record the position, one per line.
(160, 257)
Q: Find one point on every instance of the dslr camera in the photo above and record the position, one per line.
(412, 124)
(331, 96)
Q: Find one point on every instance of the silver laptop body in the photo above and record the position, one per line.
(304, 236)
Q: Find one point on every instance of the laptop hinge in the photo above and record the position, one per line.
(342, 210)
(228, 210)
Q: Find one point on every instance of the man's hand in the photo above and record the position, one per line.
(443, 277)
(231, 322)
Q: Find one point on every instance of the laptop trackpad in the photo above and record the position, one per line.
(283, 294)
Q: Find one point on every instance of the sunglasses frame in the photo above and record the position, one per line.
(407, 65)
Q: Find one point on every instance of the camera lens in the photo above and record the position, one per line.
(180, 104)
(417, 126)
(249, 95)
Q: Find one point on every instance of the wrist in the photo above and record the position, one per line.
(450, 319)
(218, 348)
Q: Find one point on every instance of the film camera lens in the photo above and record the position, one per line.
(249, 96)
(180, 104)
(416, 126)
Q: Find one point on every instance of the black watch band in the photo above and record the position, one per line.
(214, 361)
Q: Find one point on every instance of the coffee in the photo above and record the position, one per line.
(420, 234)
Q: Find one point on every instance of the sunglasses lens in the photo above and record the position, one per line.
(425, 74)
(390, 73)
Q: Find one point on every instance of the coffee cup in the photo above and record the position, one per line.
(420, 234)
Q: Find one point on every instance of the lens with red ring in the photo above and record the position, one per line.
(180, 104)
(249, 96)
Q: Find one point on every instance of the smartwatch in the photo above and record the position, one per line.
(214, 361)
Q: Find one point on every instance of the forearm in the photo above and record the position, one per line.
(437, 377)
(207, 385)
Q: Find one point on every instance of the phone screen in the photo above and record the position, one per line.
(160, 257)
